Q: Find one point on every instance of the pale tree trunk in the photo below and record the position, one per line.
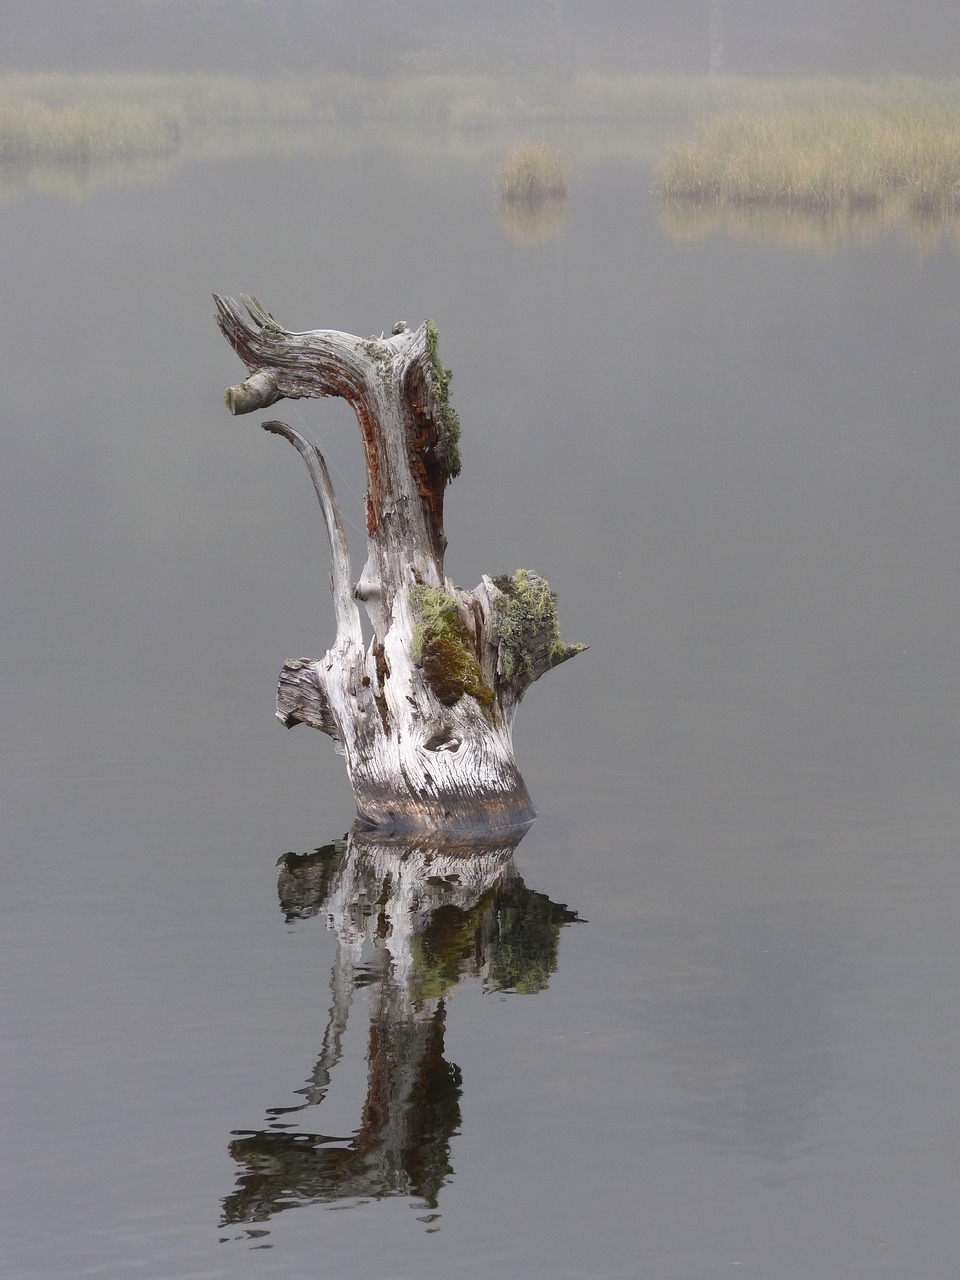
(424, 713)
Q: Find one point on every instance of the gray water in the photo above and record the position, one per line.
(738, 464)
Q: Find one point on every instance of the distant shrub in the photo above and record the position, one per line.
(532, 174)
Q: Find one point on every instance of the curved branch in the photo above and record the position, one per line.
(347, 613)
(399, 391)
(321, 362)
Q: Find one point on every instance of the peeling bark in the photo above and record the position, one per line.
(424, 714)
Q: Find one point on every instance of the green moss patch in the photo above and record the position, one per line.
(446, 418)
(444, 648)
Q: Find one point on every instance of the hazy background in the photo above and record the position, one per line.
(734, 453)
(268, 37)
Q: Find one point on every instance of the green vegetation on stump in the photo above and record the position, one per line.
(444, 648)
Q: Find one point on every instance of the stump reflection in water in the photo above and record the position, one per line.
(412, 920)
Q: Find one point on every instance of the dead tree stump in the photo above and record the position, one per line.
(424, 713)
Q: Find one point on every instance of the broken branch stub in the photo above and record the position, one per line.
(424, 713)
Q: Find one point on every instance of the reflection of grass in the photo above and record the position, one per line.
(77, 181)
(529, 224)
(688, 222)
(822, 159)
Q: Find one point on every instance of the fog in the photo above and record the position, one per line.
(701, 1018)
(373, 37)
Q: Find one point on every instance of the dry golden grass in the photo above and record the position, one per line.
(460, 102)
(822, 158)
(533, 174)
(86, 132)
(798, 143)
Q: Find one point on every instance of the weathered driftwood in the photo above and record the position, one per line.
(424, 713)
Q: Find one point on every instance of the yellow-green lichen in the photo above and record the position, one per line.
(529, 634)
(446, 418)
(443, 647)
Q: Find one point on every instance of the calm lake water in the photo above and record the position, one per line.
(707, 1020)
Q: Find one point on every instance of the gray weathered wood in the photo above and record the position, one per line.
(424, 714)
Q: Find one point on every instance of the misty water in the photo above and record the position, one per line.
(704, 1019)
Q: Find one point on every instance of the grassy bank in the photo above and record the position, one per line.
(86, 132)
(822, 143)
(823, 158)
(61, 116)
(91, 119)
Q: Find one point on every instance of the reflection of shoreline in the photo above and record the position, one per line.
(690, 221)
(412, 920)
(313, 142)
(78, 179)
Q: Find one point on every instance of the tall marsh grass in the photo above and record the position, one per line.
(822, 158)
(144, 105)
(823, 142)
(86, 132)
(59, 118)
(532, 175)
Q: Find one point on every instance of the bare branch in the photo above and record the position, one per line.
(320, 362)
(259, 391)
(341, 579)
